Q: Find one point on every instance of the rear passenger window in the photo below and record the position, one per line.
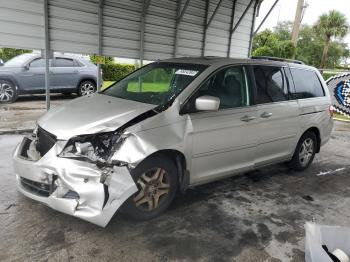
(307, 84)
(271, 84)
(63, 62)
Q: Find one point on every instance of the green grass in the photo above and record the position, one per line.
(146, 87)
(106, 84)
(341, 117)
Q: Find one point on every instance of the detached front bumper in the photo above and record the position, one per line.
(73, 187)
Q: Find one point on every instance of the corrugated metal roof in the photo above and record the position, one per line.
(73, 27)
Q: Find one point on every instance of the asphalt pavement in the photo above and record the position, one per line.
(258, 216)
(22, 115)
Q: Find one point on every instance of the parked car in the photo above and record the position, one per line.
(168, 126)
(25, 74)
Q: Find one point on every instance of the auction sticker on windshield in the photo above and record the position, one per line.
(186, 72)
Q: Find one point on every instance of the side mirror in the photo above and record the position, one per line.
(1, 62)
(26, 67)
(207, 103)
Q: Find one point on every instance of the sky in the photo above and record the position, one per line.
(285, 10)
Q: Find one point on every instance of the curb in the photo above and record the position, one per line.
(16, 132)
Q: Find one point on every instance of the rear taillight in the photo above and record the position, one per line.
(331, 110)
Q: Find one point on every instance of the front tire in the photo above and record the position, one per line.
(305, 152)
(8, 91)
(156, 179)
(86, 87)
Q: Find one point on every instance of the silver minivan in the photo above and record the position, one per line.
(171, 125)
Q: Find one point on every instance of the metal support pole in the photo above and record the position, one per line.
(47, 54)
(180, 14)
(256, 7)
(205, 28)
(145, 5)
(266, 16)
(231, 25)
(99, 44)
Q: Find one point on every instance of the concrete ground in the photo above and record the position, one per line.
(22, 115)
(252, 217)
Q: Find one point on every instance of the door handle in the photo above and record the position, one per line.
(266, 115)
(247, 118)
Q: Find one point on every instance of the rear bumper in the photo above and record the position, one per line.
(73, 187)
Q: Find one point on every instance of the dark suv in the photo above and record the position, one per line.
(25, 74)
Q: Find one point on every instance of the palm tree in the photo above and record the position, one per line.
(330, 25)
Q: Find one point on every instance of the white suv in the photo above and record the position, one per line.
(171, 125)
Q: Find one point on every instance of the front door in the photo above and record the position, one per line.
(278, 115)
(224, 141)
(32, 78)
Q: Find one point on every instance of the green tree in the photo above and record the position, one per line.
(8, 53)
(274, 43)
(309, 48)
(330, 25)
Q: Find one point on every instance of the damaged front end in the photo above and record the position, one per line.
(76, 177)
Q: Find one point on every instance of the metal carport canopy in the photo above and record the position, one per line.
(139, 29)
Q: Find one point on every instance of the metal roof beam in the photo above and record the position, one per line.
(205, 28)
(214, 13)
(180, 14)
(231, 25)
(266, 16)
(242, 16)
(255, 13)
(145, 6)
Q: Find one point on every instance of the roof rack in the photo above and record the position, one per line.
(271, 58)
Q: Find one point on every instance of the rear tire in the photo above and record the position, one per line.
(86, 87)
(8, 91)
(305, 152)
(156, 179)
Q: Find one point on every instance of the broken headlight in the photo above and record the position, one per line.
(92, 148)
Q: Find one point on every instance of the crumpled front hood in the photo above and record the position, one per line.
(90, 114)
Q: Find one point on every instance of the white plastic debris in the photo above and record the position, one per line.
(338, 253)
(335, 238)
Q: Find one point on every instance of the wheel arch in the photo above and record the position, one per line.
(86, 79)
(11, 79)
(316, 131)
(179, 160)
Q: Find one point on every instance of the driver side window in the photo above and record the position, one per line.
(230, 85)
(39, 62)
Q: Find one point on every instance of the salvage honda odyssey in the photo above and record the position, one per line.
(168, 126)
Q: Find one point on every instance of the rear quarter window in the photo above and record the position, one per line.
(307, 84)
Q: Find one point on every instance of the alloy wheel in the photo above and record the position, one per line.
(306, 151)
(6, 92)
(87, 88)
(153, 187)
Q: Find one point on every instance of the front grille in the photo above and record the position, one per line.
(45, 141)
(37, 188)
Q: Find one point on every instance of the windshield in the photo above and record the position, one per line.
(18, 61)
(156, 83)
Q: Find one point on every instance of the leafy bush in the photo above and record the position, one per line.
(8, 53)
(263, 51)
(115, 72)
(328, 75)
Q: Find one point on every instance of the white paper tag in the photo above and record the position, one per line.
(186, 72)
